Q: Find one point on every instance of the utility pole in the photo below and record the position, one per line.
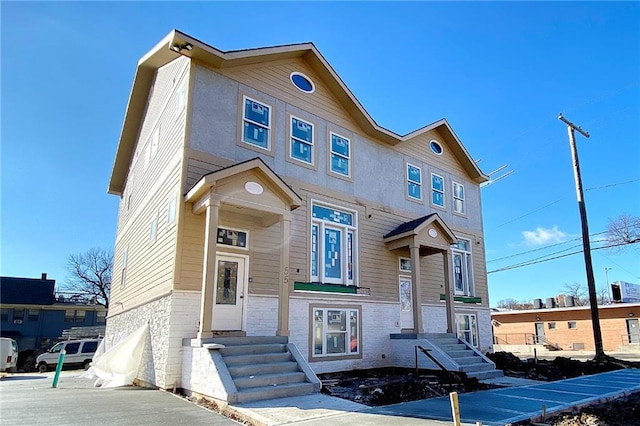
(591, 283)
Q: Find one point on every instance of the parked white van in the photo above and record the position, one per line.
(78, 353)
(8, 354)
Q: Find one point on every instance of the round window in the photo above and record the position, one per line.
(436, 147)
(302, 82)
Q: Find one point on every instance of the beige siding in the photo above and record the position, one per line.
(150, 264)
(419, 149)
(273, 79)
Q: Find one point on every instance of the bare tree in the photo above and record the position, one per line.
(623, 230)
(578, 291)
(90, 274)
(514, 305)
(602, 294)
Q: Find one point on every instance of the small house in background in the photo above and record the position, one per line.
(566, 328)
(36, 317)
(269, 229)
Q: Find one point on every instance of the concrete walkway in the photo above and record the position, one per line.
(491, 407)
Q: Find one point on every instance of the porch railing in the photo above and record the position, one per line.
(522, 339)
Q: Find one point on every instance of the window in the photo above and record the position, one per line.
(34, 314)
(256, 123)
(405, 264)
(71, 315)
(153, 229)
(335, 332)
(101, 317)
(302, 82)
(89, 347)
(4, 314)
(340, 155)
(437, 190)
(18, 315)
(467, 328)
(436, 147)
(552, 325)
(57, 348)
(171, 210)
(458, 198)
(333, 245)
(123, 273)
(462, 268)
(72, 348)
(414, 182)
(301, 148)
(233, 237)
(572, 325)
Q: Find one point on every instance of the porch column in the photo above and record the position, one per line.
(283, 276)
(209, 268)
(416, 289)
(448, 292)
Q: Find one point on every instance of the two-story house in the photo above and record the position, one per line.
(260, 200)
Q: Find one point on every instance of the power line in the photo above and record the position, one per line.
(529, 263)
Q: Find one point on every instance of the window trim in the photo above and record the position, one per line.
(269, 127)
(443, 192)
(172, 209)
(404, 260)
(330, 153)
(153, 229)
(438, 144)
(409, 181)
(306, 77)
(462, 199)
(227, 246)
(346, 231)
(289, 157)
(313, 357)
(467, 260)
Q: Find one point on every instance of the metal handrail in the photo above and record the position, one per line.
(431, 357)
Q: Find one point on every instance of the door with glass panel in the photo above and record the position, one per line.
(406, 303)
(467, 328)
(228, 303)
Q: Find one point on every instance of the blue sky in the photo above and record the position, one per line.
(498, 72)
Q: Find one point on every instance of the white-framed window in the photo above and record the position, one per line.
(301, 148)
(237, 238)
(123, 270)
(153, 229)
(414, 182)
(171, 210)
(336, 331)
(467, 328)
(256, 123)
(333, 244)
(437, 190)
(155, 140)
(101, 317)
(462, 268)
(340, 154)
(458, 198)
(404, 264)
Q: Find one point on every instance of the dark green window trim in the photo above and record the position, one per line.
(463, 299)
(330, 288)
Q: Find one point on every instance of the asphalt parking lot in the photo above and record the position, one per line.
(29, 399)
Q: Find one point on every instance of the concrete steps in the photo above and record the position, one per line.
(468, 361)
(262, 368)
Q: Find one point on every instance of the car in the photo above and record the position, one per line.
(8, 354)
(79, 353)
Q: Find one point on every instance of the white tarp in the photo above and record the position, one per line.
(118, 365)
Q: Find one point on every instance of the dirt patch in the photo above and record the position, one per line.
(384, 386)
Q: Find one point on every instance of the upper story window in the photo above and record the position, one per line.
(256, 123)
(302, 82)
(463, 268)
(414, 182)
(333, 245)
(301, 140)
(340, 155)
(171, 210)
(436, 147)
(458, 198)
(153, 229)
(437, 190)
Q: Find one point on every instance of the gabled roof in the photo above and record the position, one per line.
(210, 179)
(413, 227)
(163, 53)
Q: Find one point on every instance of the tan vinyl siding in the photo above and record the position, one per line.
(273, 79)
(150, 264)
(419, 148)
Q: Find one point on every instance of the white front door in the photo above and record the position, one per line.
(229, 297)
(406, 303)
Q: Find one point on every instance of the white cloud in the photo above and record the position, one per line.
(543, 236)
